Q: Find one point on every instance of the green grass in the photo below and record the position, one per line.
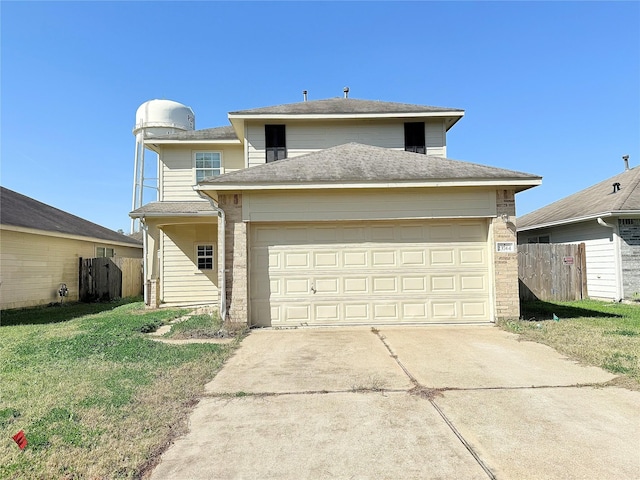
(602, 334)
(95, 397)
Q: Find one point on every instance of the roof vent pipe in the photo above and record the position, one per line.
(616, 187)
(346, 92)
(626, 161)
(304, 95)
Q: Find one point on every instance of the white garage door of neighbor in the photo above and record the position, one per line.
(373, 272)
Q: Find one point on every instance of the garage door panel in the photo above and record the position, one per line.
(414, 311)
(441, 233)
(296, 260)
(384, 285)
(413, 258)
(326, 260)
(356, 285)
(296, 286)
(411, 233)
(369, 273)
(443, 257)
(384, 258)
(385, 311)
(382, 234)
(470, 283)
(471, 232)
(324, 286)
(355, 259)
(356, 312)
(472, 310)
(472, 256)
(329, 312)
(443, 310)
(297, 313)
(443, 283)
(414, 284)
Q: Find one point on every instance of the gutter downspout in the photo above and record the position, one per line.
(145, 268)
(221, 247)
(616, 252)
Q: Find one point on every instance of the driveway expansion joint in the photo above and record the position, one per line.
(430, 394)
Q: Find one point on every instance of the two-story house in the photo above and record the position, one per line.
(336, 211)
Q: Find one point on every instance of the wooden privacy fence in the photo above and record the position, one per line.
(109, 278)
(549, 271)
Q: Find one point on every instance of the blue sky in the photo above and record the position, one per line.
(549, 88)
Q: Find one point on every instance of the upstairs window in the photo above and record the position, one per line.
(414, 137)
(275, 142)
(207, 165)
(204, 254)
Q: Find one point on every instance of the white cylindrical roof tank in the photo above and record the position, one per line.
(160, 117)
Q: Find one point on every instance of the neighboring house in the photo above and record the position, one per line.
(606, 217)
(336, 211)
(40, 247)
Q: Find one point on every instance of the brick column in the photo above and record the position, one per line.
(505, 264)
(235, 255)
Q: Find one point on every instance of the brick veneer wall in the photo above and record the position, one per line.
(505, 265)
(630, 256)
(236, 257)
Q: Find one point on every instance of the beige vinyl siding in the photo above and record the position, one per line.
(177, 176)
(33, 266)
(436, 139)
(378, 204)
(181, 281)
(308, 137)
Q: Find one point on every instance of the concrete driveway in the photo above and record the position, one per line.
(463, 402)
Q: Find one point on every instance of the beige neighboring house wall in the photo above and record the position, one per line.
(40, 248)
(34, 264)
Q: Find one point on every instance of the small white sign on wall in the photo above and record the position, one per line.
(505, 247)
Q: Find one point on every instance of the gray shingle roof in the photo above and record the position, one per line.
(599, 199)
(343, 106)
(173, 208)
(357, 163)
(217, 133)
(21, 211)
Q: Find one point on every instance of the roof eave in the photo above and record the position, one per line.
(520, 185)
(151, 141)
(70, 236)
(170, 214)
(584, 218)
(341, 116)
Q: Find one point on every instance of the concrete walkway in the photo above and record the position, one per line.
(413, 403)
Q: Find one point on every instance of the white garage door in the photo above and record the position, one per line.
(373, 272)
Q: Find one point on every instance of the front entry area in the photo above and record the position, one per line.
(376, 272)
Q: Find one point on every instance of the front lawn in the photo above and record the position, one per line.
(95, 397)
(603, 334)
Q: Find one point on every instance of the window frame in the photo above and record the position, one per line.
(196, 168)
(415, 138)
(104, 252)
(204, 256)
(545, 239)
(275, 142)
